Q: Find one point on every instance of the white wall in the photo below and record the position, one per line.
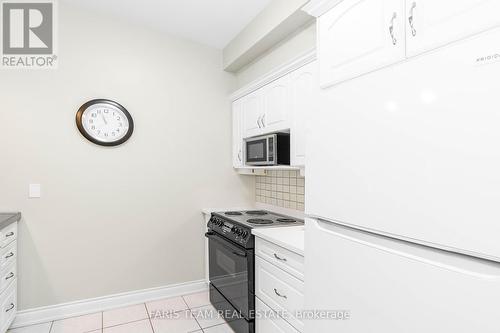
(126, 218)
(301, 41)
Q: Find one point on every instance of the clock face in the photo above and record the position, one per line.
(104, 122)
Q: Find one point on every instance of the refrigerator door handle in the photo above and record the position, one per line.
(459, 263)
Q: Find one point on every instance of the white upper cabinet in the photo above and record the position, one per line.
(282, 105)
(252, 109)
(276, 105)
(303, 89)
(359, 36)
(266, 110)
(237, 134)
(356, 37)
(434, 23)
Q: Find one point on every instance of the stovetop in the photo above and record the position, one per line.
(236, 226)
(259, 218)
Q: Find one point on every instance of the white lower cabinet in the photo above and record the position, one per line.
(8, 306)
(8, 276)
(290, 262)
(269, 321)
(277, 289)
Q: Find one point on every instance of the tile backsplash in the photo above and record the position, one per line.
(281, 188)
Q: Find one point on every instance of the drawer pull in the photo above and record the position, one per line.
(10, 276)
(277, 293)
(9, 255)
(12, 306)
(10, 234)
(281, 259)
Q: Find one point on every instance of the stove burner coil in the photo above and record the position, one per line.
(285, 220)
(233, 213)
(256, 212)
(260, 221)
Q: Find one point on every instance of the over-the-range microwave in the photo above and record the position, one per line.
(271, 149)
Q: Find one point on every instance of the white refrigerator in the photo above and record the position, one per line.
(403, 195)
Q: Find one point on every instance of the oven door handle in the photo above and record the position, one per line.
(213, 236)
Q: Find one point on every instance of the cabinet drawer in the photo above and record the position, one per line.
(8, 255)
(8, 306)
(280, 291)
(7, 276)
(268, 321)
(289, 261)
(8, 235)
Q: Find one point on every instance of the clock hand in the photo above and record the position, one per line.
(104, 118)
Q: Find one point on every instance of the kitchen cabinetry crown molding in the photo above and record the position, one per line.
(317, 8)
(294, 64)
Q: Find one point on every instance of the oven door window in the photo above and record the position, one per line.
(257, 151)
(230, 268)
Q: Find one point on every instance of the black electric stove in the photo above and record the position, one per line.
(231, 262)
(237, 226)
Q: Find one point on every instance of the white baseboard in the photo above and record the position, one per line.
(87, 306)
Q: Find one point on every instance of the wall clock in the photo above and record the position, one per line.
(104, 122)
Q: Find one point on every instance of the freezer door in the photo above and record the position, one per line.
(390, 286)
(414, 150)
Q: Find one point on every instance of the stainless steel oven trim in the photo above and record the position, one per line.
(275, 146)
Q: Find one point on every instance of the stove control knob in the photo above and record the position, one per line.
(244, 234)
(234, 230)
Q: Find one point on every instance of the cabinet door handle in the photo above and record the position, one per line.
(391, 29)
(263, 120)
(239, 155)
(10, 276)
(12, 306)
(9, 255)
(279, 258)
(411, 19)
(278, 294)
(10, 234)
(258, 122)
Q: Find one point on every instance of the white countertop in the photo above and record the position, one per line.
(291, 238)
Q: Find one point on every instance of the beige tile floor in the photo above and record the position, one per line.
(185, 314)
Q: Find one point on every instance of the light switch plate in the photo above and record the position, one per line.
(35, 191)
